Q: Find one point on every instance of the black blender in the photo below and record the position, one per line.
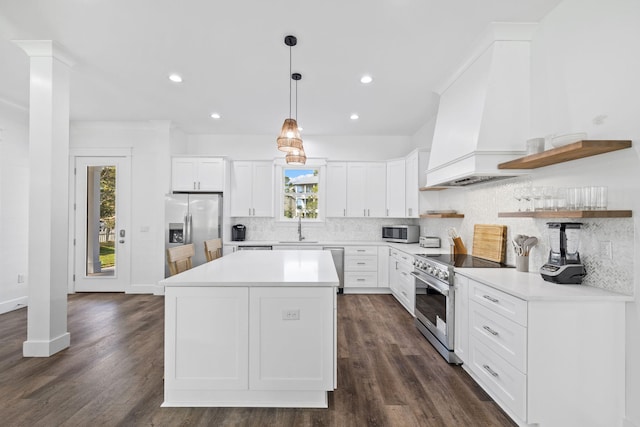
(563, 265)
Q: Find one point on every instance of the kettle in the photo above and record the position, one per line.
(238, 232)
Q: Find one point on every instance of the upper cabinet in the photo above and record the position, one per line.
(336, 193)
(366, 184)
(197, 174)
(396, 188)
(252, 188)
(415, 163)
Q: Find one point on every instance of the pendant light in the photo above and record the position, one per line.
(296, 156)
(289, 138)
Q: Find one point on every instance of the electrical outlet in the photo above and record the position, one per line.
(290, 314)
(605, 249)
(20, 278)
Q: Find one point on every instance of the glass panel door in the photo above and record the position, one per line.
(101, 224)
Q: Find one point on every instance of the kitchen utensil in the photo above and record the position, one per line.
(490, 242)
(528, 244)
(453, 233)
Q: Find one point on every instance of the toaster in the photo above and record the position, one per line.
(429, 242)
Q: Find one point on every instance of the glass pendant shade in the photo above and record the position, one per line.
(289, 139)
(296, 157)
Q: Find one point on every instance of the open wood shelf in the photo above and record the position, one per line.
(442, 215)
(577, 150)
(566, 214)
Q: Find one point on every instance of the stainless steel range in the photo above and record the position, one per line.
(435, 297)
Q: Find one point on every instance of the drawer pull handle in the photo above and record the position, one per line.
(491, 331)
(492, 299)
(491, 371)
(361, 263)
(361, 280)
(361, 250)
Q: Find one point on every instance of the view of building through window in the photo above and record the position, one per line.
(301, 193)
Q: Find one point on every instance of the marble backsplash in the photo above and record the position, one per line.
(481, 205)
(332, 229)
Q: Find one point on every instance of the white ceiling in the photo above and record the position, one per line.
(233, 59)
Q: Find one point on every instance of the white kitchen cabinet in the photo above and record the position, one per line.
(252, 189)
(291, 337)
(401, 282)
(545, 361)
(416, 164)
(336, 194)
(360, 267)
(366, 189)
(461, 321)
(197, 174)
(395, 188)
(249, 346)
(200, 334)
(383, 266)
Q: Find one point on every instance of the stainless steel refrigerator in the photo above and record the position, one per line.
(192, 218)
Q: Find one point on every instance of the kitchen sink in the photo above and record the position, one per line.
(298, 242)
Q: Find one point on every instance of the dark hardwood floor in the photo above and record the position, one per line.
(388, 374)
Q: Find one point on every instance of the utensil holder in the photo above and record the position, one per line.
(522, 263)
(458, 246)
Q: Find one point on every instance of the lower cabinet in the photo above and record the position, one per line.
(360, 267)
(545, 361)
(249, 346)
(401, 282)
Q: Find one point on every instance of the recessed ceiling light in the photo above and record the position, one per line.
(354, 117)
(215, 115)
(176, 78)
(366, 79)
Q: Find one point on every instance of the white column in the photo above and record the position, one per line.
(48, 199)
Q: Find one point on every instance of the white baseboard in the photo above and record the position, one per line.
(626, 422)
(36, 348)
(367, 290)
(144, 289)
(13, 304)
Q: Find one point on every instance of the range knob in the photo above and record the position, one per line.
(445, 275)
(430, 269)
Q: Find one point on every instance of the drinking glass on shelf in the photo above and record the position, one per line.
(518, 193)
(549, 197)
(588, 198)
(561, 199)
(537, 194)
(526, 196)
(601, 198)
(574, 198)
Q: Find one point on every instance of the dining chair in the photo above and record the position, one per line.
(213, 249)
(179, 258)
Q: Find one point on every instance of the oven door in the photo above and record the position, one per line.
(434, 308)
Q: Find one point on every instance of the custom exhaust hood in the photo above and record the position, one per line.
(483, 118)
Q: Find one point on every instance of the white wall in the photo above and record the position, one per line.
(150, 181)
(14, 206)
(263, 147)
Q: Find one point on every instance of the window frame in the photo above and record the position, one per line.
(318, 164)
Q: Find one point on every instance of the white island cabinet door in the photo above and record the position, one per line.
(206, 335)
(291, 338)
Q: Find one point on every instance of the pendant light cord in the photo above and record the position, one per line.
(290, 82)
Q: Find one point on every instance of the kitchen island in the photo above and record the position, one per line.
(252, 329)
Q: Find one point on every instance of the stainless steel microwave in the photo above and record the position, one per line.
(401, 233)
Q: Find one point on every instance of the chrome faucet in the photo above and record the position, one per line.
(300, 238)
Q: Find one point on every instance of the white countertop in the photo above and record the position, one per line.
(410, 248)
(262, 268)
(531, 287)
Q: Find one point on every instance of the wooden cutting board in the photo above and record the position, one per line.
(490, 242)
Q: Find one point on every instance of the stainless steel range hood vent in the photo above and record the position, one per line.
(483, 117)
